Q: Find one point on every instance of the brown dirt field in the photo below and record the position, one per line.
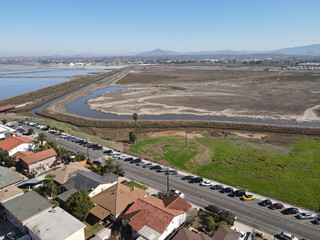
(252, 93)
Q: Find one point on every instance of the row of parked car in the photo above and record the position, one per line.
(33, 124)
(246, 197)
(82, 142)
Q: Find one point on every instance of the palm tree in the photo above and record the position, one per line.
(135, 117)
(41, 138)
(117, 168)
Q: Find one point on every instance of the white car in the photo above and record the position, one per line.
(286, 235)
(12, 235)
(206, 183)
(177, 193)
(306, 215)
(243, 234)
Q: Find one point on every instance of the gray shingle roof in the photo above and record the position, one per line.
(88, 180)
(8, 177)
(26, 205)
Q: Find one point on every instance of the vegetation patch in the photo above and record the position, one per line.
(134, 184)
(289, 172)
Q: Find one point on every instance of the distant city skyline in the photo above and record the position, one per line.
(97, 27)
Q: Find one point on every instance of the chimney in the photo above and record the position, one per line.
(131, 188)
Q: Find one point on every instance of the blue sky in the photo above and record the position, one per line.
(98, 27)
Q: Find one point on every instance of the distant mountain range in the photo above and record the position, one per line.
(309, 50)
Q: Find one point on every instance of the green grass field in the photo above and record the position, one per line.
(290, 172)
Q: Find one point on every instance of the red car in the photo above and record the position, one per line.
(276, 206)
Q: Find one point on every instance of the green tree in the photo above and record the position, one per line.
(132, 137)
(210, 223)
(79, 204)
(135, 117)
(41, 138)
(4, 121)
(30, 131)
(51, 187)
(117, 168)
(6, 160)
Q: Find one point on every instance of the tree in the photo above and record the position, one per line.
(6, 160)
(79, 204)
(51, 187)
(41, 138)
(135, 117)
(117, 168)
(210, 223)
(4, 121)
(132, 137)
(30, 131)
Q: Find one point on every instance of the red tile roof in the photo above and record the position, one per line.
(7, 107)
(13, 142)
(225, 233)
(39, 156)
(155, 213)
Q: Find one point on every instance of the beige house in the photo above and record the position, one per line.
(38, 162)
(114, 200)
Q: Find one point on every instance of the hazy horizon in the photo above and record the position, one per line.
(98, 28)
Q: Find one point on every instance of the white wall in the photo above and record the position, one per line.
(22, 147)
(77, 235)
(44, 163)
(101, 188)
(174, 224)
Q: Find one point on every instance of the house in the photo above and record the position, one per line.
(186, 234)
(16, 144)
(23, 208)
(55, 224)
(103, 234)
(114, 200)
(6, 131)
(154, 219)
(8, 181)
(225, 233)
(38, 162)
(62, 173)
(92, 182)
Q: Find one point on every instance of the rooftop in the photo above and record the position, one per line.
(88, 180)
(13, 142)
(225, 233)
(39, 156)
(27, 205)
(155, 213)
(115, 200)
(9, 192)
(186, 234)
(55, 224)
(8, 177)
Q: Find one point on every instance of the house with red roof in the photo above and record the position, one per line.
(17, 144)
(38, 162)
(154, 219)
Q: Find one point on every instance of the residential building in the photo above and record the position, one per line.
(111, 202)
(92, 182)
(55, 224)
(17, 144)
(225, 233)
(6, 131)
(186, 234)
(38, 162)
(8, 181)
(154, 219)
(23, 208)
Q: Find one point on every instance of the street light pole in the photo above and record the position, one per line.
(88, 150)
(168, 184)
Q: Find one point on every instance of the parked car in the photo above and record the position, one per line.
(128, 159)
(316, 221)
(217, 187)
(137, 160)
(206, 183)
(212, 208)
(109, 152)
(276, 206)
(188, 177)
(155, 167)
(177, 193)
(196, 180)
(231, 214)
(125, 182)
(226, 190)
(12, 235)
(162, 169)
(120, 173)
(238, 193)
(146, 165)
(265, 202)
(291, 210)
(140, 163)
(306, 215)
(287, 236)
(97, 163)
(243, 235)
(171, 172)
(247, 197)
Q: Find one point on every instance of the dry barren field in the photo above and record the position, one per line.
(238, 91)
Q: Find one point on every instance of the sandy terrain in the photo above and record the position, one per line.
(245, 92)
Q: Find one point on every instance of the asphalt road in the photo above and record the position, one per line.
(250, 213)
